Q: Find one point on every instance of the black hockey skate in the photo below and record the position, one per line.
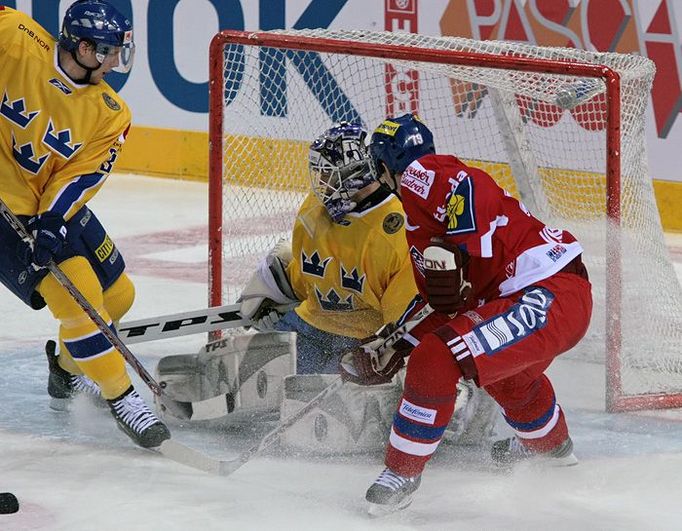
(63, 387)
(507, 452)
(137, 420)
(391, 492)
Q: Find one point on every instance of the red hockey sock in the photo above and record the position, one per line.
(425, 409)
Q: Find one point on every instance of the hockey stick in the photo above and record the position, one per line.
(187, 456)
(180, 324)
(180, 409)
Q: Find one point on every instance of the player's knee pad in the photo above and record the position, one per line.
(248, 369)
(119, 297)
(357, 419)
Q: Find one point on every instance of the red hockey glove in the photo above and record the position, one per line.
(375, 361)
(447, 288)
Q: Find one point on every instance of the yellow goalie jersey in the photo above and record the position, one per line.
(58, 139)
(352, 277)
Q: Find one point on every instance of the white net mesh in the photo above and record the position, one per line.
(504, 120)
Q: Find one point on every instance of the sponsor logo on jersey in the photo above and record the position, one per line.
(556, 252)
(520, 320)
(60, 85)
(37, 38)
(110, 102)
(353, 280)
(393, 222)
(314, 265)
(418, 413)
(418, 180)
(105, 249)
(474, 317)
(417, 259)
(458, 211)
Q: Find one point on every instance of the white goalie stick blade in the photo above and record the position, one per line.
(181, 324)
(180, 453)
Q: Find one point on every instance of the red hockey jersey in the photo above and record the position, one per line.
(509, 248)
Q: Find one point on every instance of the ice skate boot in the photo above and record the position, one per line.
(137, 420)
(63, 387)
(391, 492)
(507, 452)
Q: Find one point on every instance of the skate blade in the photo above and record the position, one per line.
(67, 404)
(60, 404)
(376, 510)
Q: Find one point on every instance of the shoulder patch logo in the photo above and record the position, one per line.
(393, 223)
(110, 102)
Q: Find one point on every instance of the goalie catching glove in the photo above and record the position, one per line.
(381, 356)
(268, 294)
(446, 285)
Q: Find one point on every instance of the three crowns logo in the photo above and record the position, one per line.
(352, 280)
(332, 302)
(314, 265)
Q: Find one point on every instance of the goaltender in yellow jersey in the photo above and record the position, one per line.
(348, 264)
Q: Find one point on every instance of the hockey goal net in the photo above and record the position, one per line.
(562, 129)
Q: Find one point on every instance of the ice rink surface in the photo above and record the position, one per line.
(77, 471)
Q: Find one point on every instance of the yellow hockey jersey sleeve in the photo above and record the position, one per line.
(58, 139)
(354, 277)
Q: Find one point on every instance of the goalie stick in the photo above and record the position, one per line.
(192, 458)
(180, 324)
(180, 409)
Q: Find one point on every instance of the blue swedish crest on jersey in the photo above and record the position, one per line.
(353, 280)
(332, 302)
(314, 265)
(525, 317)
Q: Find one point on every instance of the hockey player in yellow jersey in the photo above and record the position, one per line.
(61, 129)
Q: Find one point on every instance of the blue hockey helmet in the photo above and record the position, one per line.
(340, 166)
(100, 24)
(397, 142)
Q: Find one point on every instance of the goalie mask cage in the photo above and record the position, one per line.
(562, 129)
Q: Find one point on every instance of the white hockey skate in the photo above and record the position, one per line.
(63, 387)
(508, 452)
(391, 492)
(137, 420)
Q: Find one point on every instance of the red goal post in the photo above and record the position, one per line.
(271, 93)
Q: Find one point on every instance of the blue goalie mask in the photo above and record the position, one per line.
(340, 166)
(100, 24)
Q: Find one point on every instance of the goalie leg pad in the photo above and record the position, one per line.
(475, 416)
(355, 420)
(249, 368)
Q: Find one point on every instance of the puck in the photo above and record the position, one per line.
(8, 503)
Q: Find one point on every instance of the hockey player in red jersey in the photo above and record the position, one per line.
(510, 295)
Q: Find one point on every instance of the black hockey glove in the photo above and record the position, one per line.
(49, 231)
(447, 288)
